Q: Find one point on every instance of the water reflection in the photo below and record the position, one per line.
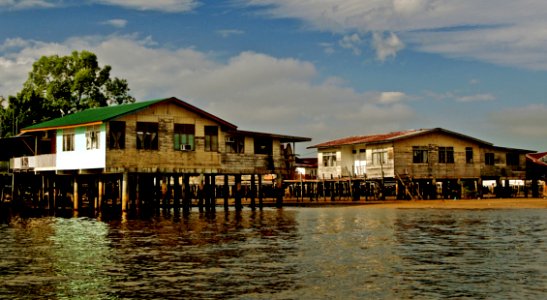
(300, 253)
(198, 256)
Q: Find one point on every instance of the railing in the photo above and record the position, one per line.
(42, 162)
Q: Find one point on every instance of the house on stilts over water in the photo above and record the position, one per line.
(423, 164)
(159, 152)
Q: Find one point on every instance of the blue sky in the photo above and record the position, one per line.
(319, 68)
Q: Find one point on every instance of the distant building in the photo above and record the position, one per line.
(422, 163)
(536, 169)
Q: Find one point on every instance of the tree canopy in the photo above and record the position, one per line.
(60, 85)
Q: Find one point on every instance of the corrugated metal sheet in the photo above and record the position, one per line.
(368, 138)
(392, 136)
(102, 114)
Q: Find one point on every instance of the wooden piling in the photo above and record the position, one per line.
(125, 191)
(237, 193)
(75, 196)
(226, 192)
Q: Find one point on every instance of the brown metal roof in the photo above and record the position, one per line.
(538, 158)
(391, 136)
(375, 138)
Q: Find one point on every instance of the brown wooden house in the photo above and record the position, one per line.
(423, 163)
(141, 150)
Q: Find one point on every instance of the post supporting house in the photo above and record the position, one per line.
(163, 152)
(421, 164)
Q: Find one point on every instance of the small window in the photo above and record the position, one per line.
(184, 136)
(469, 155)
(92, 137)
(68, 140)
(117, 135)
(489, 159)
(446, 155)
(420, 154)
(329, 159)
(211, 138)
(512, 159)
(379, 157)
(263, 146)
(235, 144)
(147, 136)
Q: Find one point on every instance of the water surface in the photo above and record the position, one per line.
(294, 253)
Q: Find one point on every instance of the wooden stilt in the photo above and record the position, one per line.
(100, 193)
(177, 192)
(237, 193)
(187, 205)
(75, 196)
(207, 192)
(260, 193)
(212, 192)
(279, 192)
(226, 192)
(125, 191)
(200, 194)
(253, 192)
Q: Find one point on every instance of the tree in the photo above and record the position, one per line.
(60, 85)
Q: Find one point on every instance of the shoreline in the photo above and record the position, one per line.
(490, 203)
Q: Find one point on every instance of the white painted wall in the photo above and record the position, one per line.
(81, 158)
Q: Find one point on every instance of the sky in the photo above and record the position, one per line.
(323, 69)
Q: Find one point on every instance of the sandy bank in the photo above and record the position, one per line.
(469, 204)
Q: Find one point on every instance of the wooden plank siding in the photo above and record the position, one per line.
(169, 160)
(460, 168)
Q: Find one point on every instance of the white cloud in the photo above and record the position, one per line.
(172, 6)
(352, 42)
(476, 98)
(386, 46)
(118, 23)
(226, 33)
(503, 32)
(253, 90)
(457, 97)
(26, 4)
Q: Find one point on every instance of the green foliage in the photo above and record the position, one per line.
(59, 85)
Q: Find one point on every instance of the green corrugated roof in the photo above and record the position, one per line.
(93, 115)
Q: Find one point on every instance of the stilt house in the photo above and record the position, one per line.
(138, 150)
(423, 163)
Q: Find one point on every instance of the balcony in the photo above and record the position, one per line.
(45, 162)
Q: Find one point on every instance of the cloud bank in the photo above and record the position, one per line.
(502, 32)
(254, 90)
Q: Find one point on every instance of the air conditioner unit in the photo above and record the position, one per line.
(185, 147)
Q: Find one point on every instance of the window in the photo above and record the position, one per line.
(379, 157)
(147, 136)
(117, 135)
(92, 137)
(469, 155)
(329, 159)
(446, 155)
(183, 137)
(263, 146)
(68, 140)
(489, 159)
(512, 159)
(420, 154)
(211, 138)
(235, 144)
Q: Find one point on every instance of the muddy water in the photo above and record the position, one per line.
(294, 253)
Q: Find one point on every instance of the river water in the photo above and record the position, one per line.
(293, 253)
